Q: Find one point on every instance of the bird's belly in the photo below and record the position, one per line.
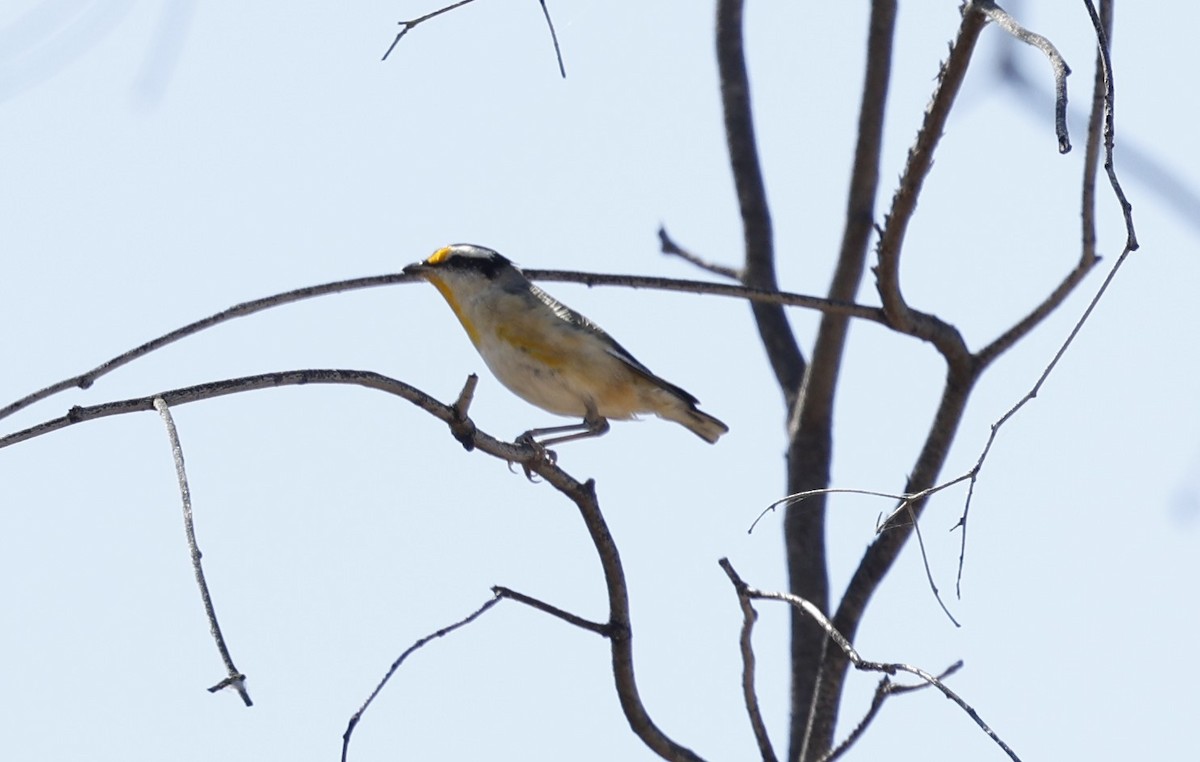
(565, 388)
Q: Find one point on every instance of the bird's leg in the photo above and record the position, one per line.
(593, 425)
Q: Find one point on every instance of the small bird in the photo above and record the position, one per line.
(550, 355)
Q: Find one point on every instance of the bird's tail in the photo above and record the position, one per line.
(697, 421)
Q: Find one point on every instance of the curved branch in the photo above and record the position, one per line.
(408, 26)
(419, 644)
(918, 166)
(1006, 22)
(618, 628)
(86, 379)
(780, 343)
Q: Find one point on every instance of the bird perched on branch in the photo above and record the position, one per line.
(550, 355)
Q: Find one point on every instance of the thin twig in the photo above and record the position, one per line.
(1103, 31)
(234, 678)
(670, 248)
(905, 506)
(905, 499)
(562, 69)
(1006, 22)
(407, 26)
(1104, 85)
(86, 379)
(354, 719)
(599, 628)
(916, 525)
(886, 689)
(887, 668)
(973, 474)
(749, 693)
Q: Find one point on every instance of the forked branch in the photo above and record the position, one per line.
(583, 494)
(407, 26)
(745, 592)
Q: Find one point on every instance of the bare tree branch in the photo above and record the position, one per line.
(669, 247)
(810, 425)
(918, 166)
(1006, 22)
(759, 272)
(585, 624)
(1103, 32)
(1101, 104)
(749, 693)
(358, 715)
(886, 689)
(234, 678)
(845, 647)
(407, 26)
(86, 379)
(617, 629)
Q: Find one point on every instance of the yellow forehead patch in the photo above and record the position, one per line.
(439, 256)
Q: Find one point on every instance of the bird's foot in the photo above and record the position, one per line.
(540, 453)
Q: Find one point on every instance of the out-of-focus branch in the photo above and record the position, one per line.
(918, 166)
(759, 272)
(407, 26)
(1006, 22)
(669, 247)
(233, 678)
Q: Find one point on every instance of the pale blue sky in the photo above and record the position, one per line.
(161, 162)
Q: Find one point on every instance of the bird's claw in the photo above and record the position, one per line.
(540, 453)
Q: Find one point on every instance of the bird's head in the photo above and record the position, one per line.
(461, 262)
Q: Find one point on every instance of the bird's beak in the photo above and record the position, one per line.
(416, 268)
